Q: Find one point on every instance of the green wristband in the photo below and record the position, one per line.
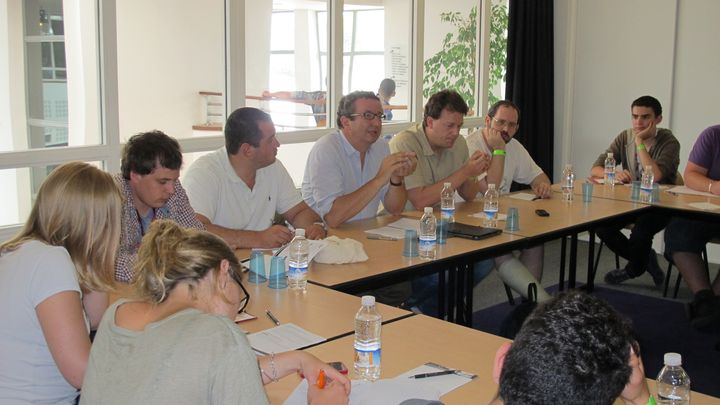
(640, 147)
(499, 152)
(651, 401)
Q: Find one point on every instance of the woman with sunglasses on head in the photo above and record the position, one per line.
(178, 342)
(53, 278)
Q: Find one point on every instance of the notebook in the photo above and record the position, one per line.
(471, 231)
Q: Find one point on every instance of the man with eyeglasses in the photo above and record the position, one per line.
(512, 162)
(238, 190)
(442, 157)
(635, 148)
(349, 172)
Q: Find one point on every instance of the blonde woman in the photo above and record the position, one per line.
(52, 275)
(177, 343)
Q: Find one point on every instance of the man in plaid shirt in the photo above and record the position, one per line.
(149, 181)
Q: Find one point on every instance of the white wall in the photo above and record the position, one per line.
(168, 51)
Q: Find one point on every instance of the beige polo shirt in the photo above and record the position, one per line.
(432, 167)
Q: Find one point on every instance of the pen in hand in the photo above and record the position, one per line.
(272, 317)
(435, 374)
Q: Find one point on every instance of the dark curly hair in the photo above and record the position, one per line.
(145, 150)
(573, 349)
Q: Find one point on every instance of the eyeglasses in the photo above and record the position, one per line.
(502, 124)
(369, 116)
(236, 275)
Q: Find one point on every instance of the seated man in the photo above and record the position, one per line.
(238, 189)
(351, 171)
(442, 157)
(574, 349)
(149, 180)
(685, 238)
(512, 162)
(642, 145)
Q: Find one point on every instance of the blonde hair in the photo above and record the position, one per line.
(78, 207)
(170, 254)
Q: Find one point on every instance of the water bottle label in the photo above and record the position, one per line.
(426, 244)
(611, 177)
(296, 272)
(447, 213)
(490, 214)
(368, 358)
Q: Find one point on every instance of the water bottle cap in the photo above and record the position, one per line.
(368, 300)
(610, 154)
(428, 210)
(672, 359)
(299, 232)
(447, 184)
(491, 186)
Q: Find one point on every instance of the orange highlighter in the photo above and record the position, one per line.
(321, 379)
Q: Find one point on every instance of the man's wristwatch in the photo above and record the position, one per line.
(392, 183)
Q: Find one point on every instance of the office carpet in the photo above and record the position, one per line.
(660, 325)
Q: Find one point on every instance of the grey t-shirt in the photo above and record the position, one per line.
(187, 358)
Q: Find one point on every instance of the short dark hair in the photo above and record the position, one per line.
(346, 107)
(387, 86)
(144, 151)
(242, 127)
(574, 347)
(650, 102)
(444, 99)
(503, 103)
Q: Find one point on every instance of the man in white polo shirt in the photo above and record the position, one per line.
(237, 190)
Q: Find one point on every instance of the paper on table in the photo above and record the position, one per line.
(388, 231)
(406, 223)
(244, 316)
(442, 383)
(688, 190)
(380, 392)
(704, 205)
(481, 215)
(522, 196)
(285, 337)
(315, 247)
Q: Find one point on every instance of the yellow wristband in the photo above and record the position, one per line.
(499, 152)
(640, 147)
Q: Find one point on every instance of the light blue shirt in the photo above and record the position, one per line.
(333, 170)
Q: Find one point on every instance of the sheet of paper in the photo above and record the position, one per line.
(442, 383)
(688, 190)
(380, 392)
(522, 196)
(388, 231)
(704, 205)
(481, 215)
(283, 338)
(406, 223)
(244, 316)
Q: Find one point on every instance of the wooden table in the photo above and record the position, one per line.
(320, 310)
(411, 342)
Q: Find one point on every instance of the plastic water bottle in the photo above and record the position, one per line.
(610, 170)
(428, 225)
(447, 202)
(568, 183)
(491, 207)
(673, 383)
(298, 261)
(646, 184)
(368, 324)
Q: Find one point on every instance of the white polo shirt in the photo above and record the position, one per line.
(519, 165)
(216, 192)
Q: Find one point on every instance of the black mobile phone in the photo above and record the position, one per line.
(542, 213)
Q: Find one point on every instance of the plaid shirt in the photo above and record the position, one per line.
(177, 208)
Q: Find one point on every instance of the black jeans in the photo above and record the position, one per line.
(636, 249)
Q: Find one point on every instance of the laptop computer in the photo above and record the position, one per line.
(471, 231)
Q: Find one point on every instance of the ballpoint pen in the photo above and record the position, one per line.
(381, 237)
(272, 317)
(435, 374)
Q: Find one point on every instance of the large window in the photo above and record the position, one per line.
(180, 67)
